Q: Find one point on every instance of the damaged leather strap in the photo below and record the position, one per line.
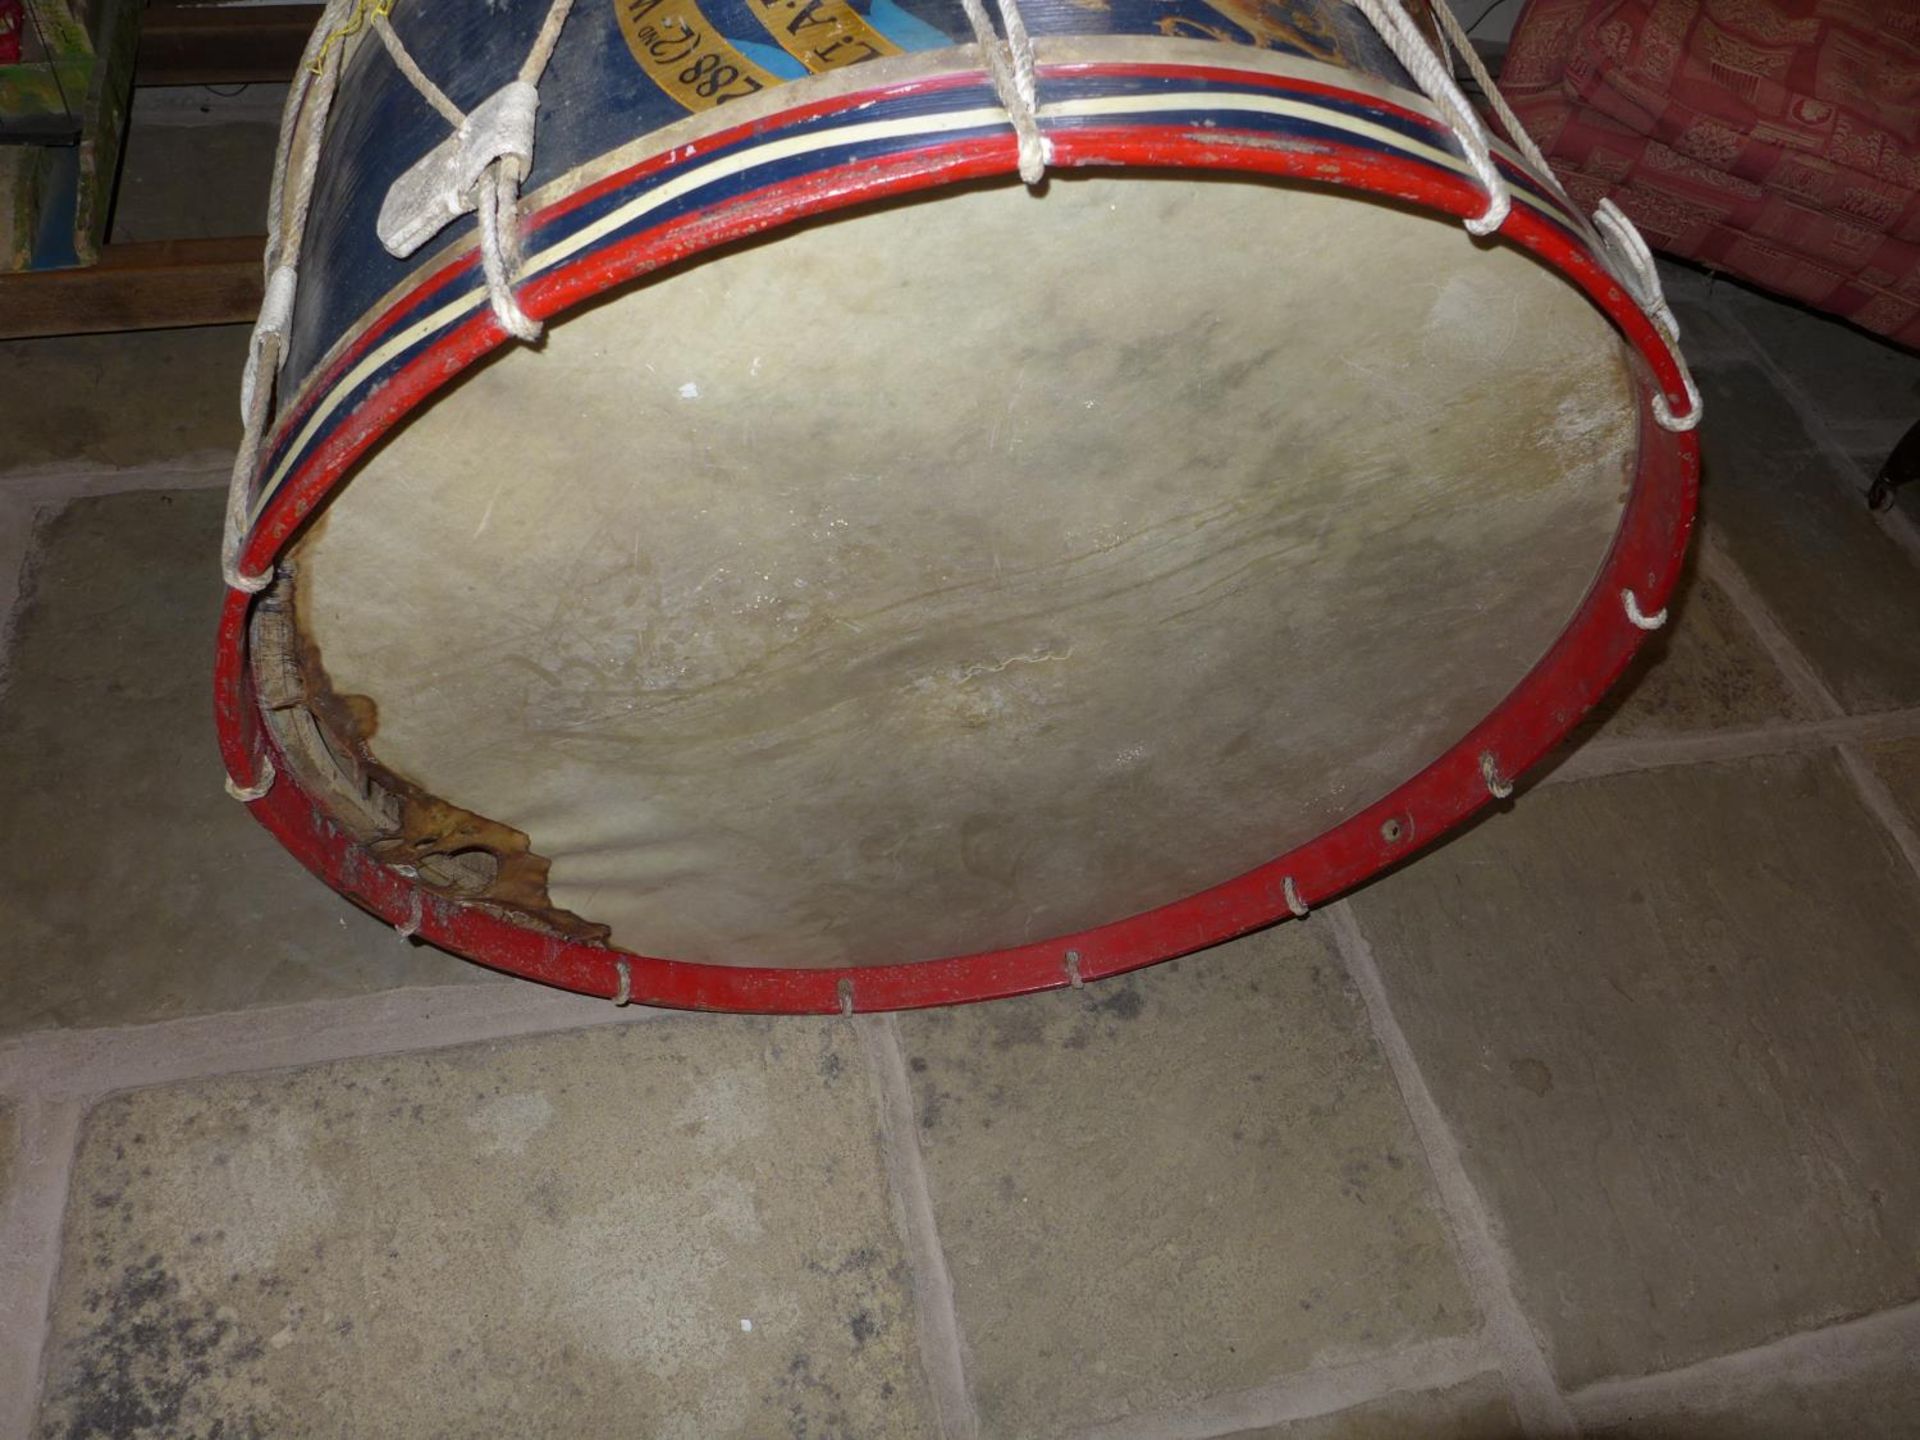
(444, 184)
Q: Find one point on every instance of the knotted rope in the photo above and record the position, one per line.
(1010, 66)
(496, 195)
(1611, 232)
(295, 167)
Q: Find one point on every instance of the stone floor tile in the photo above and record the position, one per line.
(134, 888)
(677, 1229)
(1705, 670)
(1842, 589)
(153, 396)
(1190, 1180)
(1699, 303)
(1475, 1409)
(1898, 765)
(1672, 1019)
(9, 1143)
(1861, 1389)
(192, 181)
(1866, 389)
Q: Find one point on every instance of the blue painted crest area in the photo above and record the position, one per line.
(597, 95)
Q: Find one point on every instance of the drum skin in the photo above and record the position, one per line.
(900, 587)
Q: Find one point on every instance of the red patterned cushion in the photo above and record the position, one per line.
(1777, 141)
(1810, 97)
(1688, 209)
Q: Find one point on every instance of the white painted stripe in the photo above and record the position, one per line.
(847, 135)
(1380, 135)
(661, 195)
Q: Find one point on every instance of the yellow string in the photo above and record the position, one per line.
(355, 24)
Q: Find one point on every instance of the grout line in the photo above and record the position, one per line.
(1608, 756)
(29, 498)
(76, 1064)
(942, 1348)
(1888, 1342)
(1893, 522)
(30, 1224)
(84, 1062)
(1879, 799)
(1871, 789)
(1721, 568)
(1431, 1365)
(1522, 1359)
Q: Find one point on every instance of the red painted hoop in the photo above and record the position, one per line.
(1588, 656)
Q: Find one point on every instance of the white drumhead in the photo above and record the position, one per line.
(961, 573)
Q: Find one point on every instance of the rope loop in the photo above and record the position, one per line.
(246, 584)
(247, 794)
(1640, 620)
(1498, 785)
(624, 991)
(1010, 66)
(1663, 412)
(1294, 902)
(499, 197)
(410, 927)
(290, 193)
(295, 167)
(1634, 264)
(440, 186)
(1434, 76)
(1610, 233)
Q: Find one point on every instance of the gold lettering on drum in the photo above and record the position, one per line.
(685, 56)
(821, 34)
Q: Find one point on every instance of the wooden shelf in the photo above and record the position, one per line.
(148, 286)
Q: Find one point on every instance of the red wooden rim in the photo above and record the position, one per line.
(1589, 655)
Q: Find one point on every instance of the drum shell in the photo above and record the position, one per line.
(1657, 528)
(600, 104)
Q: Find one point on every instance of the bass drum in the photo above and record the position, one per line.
(887, 583)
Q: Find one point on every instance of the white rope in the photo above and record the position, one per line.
(1611, 233)
(302, 127)
(845, 990)
(535, 65)
(1460, 43)
(1073, 970)
(1497, 786)
(1642, 621)
(624, 992)
(1626, 245)
(1010, 67)
(309, 98)
(1635, 266)
(1294, 902)
(410, 927)
(247, 794)
(496, 193)
(499, 209)
(1631, 259)
(418, 78)
(1663, 412)
(1411, 48)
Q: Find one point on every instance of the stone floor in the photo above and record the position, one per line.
(1597, 1119)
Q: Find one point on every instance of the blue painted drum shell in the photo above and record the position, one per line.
(598, 97)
